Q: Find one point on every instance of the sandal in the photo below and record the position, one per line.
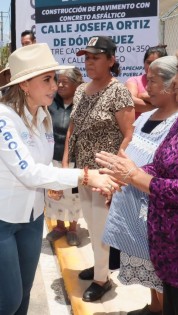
(72, 238)
(55, 234)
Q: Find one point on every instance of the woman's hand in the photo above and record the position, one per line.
(56, 195)
(102, 183)
(120, 167)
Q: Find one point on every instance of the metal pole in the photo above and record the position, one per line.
(13, 25)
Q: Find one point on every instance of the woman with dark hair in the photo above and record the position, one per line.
(137, 85)
(102, 118)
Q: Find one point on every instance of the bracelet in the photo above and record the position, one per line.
(85, 177)
(129, 172)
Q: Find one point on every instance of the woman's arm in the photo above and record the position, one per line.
(92, 178)
(17, 160)
(164, 191)
(141, 101)
(65, 160)
(139, 179)
(125, 119)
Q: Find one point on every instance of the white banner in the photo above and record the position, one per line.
(67, 25)
(25, 18)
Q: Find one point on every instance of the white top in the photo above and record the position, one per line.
(26, 168)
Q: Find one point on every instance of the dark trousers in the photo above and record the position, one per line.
(170, 300)
(114, 258)
(20, 246)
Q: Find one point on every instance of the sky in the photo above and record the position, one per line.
(5, 7)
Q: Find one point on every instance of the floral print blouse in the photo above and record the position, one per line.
(163, 209)
(95, 125)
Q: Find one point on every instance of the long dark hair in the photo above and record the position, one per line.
(160, 50)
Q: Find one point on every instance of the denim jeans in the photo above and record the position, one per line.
(20, 246)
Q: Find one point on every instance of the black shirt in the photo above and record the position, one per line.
(60, 118)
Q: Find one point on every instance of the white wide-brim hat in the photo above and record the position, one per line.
(30, 61)
(2, 75)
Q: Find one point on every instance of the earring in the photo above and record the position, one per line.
(26, 93)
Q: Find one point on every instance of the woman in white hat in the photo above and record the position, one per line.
(26, 151)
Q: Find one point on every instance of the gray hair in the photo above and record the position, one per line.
(73, 74)
(166, 68)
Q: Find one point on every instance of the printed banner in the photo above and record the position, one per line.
(68, 25)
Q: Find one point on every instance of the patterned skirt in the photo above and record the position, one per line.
(134, 270)
(68, 208)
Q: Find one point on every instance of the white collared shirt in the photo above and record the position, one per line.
(25, 166)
